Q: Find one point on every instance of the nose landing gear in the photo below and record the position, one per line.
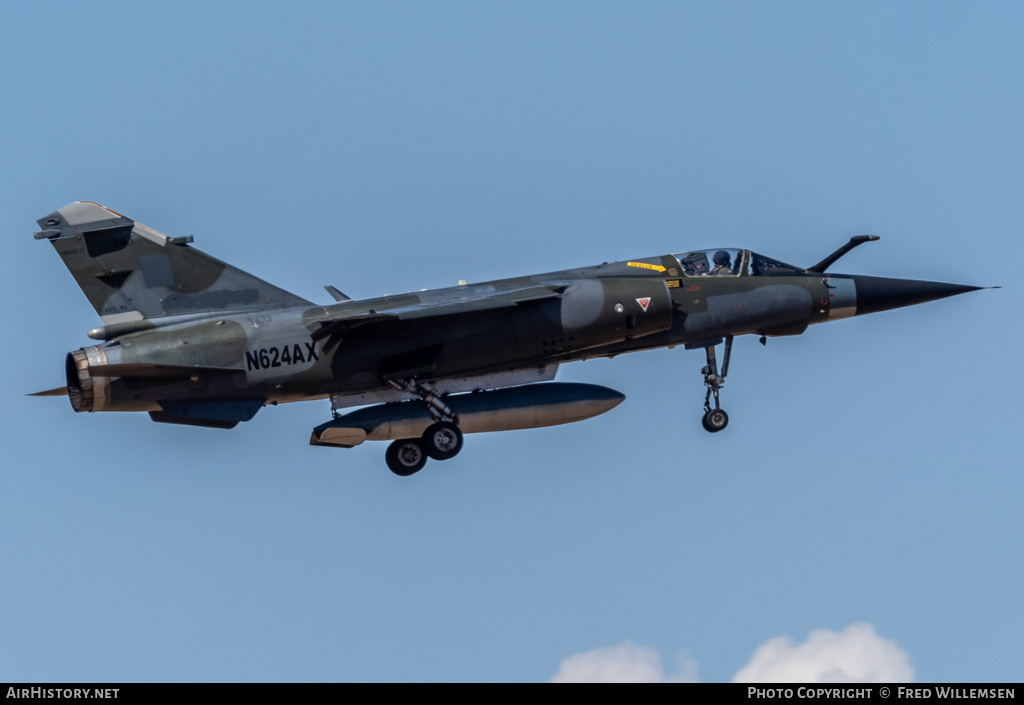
(715, 419)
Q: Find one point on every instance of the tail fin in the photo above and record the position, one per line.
(130, 272)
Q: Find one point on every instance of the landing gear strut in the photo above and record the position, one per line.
(441, 440)
(715, 419)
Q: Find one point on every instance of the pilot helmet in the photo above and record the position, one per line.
(722, 257)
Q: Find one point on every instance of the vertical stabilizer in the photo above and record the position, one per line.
(129, 271)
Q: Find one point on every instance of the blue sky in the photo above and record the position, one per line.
(871, 471)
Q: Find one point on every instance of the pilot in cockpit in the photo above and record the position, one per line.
(722, 264)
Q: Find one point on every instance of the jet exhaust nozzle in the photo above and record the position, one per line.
(85, 391)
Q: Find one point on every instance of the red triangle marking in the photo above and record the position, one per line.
(644, 303)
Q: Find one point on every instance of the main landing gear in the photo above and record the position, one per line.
(715, 419)
(441, 440)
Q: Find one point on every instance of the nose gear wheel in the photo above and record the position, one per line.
(715, 419)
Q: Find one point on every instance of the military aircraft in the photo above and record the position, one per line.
(192, 340)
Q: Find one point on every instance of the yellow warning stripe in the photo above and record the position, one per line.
(644, 265)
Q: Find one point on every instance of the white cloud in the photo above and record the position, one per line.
(625, 663)
(854, 655)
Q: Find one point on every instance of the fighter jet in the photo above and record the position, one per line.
(192, 340)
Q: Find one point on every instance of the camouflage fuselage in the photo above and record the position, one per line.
(271, 356)
(191, 339)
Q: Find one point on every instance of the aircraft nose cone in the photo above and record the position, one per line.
(881, 294)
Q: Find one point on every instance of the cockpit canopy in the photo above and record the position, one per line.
(717, 263)
(726, 262)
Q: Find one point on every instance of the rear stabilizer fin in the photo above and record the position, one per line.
(131, 272)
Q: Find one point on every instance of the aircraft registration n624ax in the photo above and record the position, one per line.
(192, 340)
